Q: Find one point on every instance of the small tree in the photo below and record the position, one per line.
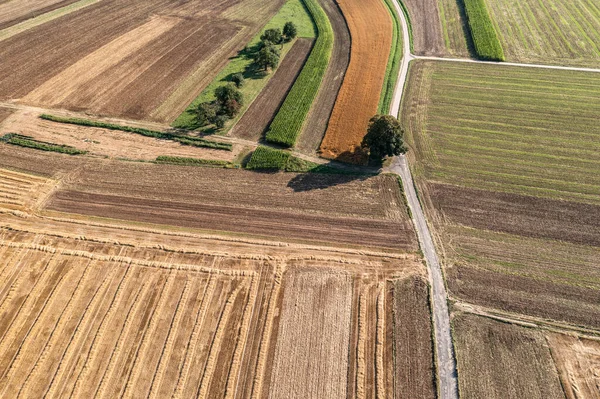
(273, 36)
(220, 120)
(384, 137)
(229, 99)
(205, 113)
(289, 31)
(267, 57)
(238, 79)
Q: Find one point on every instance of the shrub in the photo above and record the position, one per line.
(289, 31)
(30, 142)
(238, 79)
(287, 124)
(485, 38)
(272, 35)
(265, 158)
(220, 121)
(205, 113)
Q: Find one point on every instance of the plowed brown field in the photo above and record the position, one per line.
(14, 11)
(428, 32)
(370, 27)
(257, 118)
(138, 60)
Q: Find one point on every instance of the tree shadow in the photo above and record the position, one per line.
(322, 181)
(465, 28)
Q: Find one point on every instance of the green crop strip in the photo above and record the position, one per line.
(393, 66)
(30, 142)
(485, 38)
(182, 139)
(185, 161)
(288, 122)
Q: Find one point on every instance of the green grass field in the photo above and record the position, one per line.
(549, 31)
(391, 72)
(511, 129)
(292, 10)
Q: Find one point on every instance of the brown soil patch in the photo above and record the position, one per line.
(16, 11)
(427, 31)
(578, 363)
(104, 142)
(318, 118)
(260, 113)
(126, 59)
(519, 214)
(370, 27)
(4, 113)
(413, 347)
(500, 360)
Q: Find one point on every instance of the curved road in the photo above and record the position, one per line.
(444, 351)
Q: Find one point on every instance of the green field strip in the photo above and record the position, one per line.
(287, 124)
(483, 31)
(292, 10)
(393, 66)
(571, 8)
(530, 37)
(548, 88)
(42, 19)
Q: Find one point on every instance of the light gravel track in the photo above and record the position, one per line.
(446, 363)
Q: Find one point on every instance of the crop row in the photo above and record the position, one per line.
(172, 160)
(288, 122)
(30, 142)
(265, 158)
(185, 140)
(485, 38)
(391, 72)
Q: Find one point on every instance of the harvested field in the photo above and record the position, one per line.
(454, 28)
(4, 113)
(257, 118)
(353, 210)
(105, 142)
(311, 356)
(549, 32)
(414, 370)
(370, 27)
(20, 191)
(518, 214)
(427, 29)
(132, 46)
(578, 363)
(318, 118)
(15, 11)
(500, 360)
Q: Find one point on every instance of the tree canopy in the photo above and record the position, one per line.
(289, 31)
(268, 56)
(385, 137)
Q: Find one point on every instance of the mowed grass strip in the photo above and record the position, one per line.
(549, 31)
(391, 73)
(293, 10)
(485, 39)
(288, 122)
(507, 128)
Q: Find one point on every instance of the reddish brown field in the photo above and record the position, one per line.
(257, 118)
(578, 363)
(318, 118)
(14, 11)
(427, 33)
(413, 347)
(500, 360)
(370, 27)
(113, 56)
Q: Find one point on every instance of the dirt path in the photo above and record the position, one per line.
(446, 362)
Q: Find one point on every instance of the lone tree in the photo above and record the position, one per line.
(384, 137)
(205, 113)
(273, 36)
(229, 100)
(289, 31)
(267, 57)
(238, 79)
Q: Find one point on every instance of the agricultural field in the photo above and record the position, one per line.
(371, 29)
(549, 32)
(318, 118)
(517, 219)
(13, 12)
(455, 28)
(427, 28)
(104, 142)
(113, 55)
(500, 360)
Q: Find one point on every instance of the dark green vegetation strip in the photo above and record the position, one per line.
(408, 20)
(485, 38)
(30, 142)
(393, 66)
(185, 140)
(185, 161)
(288, 122)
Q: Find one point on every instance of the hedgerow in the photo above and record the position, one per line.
(288, 122)
(172, 160)
(185, 140)
(485, 38)
(265, 158)
(30, 142)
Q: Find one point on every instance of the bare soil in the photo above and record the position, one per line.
(16, 11)
(318, 118)
(523, 215)
(4, 113)
(428, 36)
(500, 360)
(259, 115)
